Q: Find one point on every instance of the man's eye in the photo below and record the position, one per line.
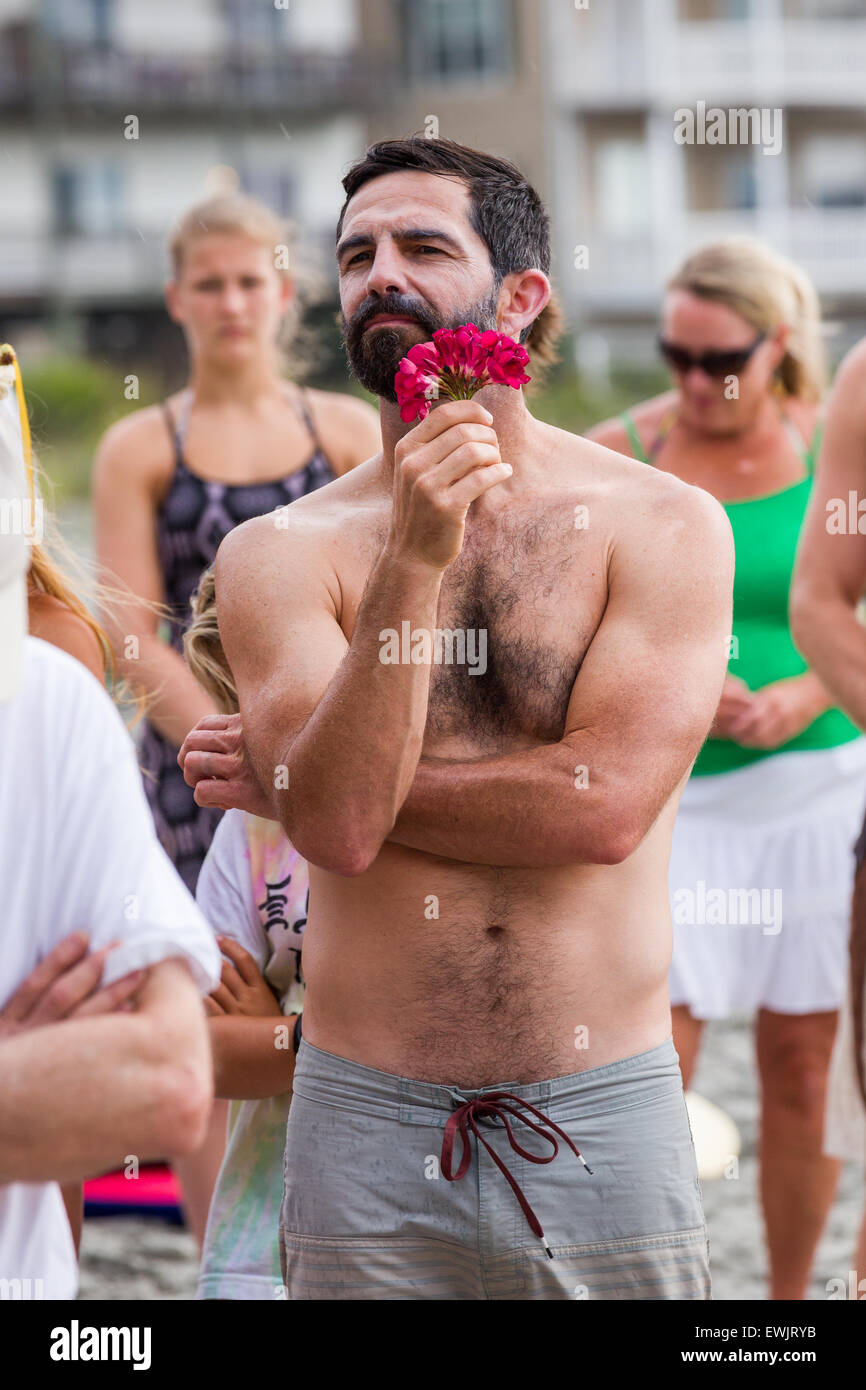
(357, 257)
(208, 285)
(435, 249)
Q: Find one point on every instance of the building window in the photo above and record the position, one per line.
(276, 188)
(87, 200)
(457, 39)
(254, 24)
(834, 170)
(622, 190)
(741, 190)
(81, 21)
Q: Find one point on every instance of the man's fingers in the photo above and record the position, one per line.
(212, 1008)
(205, 765)
(478, 481)
(224, 795)
(448, 414)
(220, 723)
(112, 997)
(70, 989)
(55, 964)
(246, 965)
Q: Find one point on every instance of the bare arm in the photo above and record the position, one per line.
(78, 1096)
(830, 575)
(640, 709)
(252, 1057)
(251, 1038)
(346, 726)
(125, 531)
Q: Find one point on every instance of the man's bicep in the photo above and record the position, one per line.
(282, 639)
(650, 682)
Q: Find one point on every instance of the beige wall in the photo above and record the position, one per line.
(503, 117)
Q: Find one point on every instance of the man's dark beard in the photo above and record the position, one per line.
(374, 357)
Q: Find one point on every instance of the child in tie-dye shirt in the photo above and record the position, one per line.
(254, 890)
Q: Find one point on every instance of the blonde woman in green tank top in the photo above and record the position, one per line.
(760, 873)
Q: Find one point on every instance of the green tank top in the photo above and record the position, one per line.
(766, 530)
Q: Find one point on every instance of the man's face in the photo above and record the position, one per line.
(409, 263)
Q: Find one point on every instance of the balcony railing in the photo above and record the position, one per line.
(797, 62)
(627, 275)
(66, 76)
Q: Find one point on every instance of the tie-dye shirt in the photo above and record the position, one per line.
(254, 887)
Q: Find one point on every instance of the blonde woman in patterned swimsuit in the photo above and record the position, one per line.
(170, 481)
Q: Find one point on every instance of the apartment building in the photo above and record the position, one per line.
(638, 200)
(117, 115)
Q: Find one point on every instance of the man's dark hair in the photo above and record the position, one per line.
(504, 209)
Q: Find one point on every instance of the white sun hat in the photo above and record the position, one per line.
(19, 517)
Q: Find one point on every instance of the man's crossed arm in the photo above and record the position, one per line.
(345, 730)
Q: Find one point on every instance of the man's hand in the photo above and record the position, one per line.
(243, 990)
(440, 468)
(65, 985)
(779, 712)
(213, 759)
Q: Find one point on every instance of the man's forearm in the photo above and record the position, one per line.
(351, 766)
(77, 1097)
(533, 809)
(252, 1057)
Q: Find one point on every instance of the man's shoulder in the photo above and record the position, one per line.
(625, 483)
(643, 510)
(355, 500)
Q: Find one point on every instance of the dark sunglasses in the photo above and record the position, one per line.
(723, 363)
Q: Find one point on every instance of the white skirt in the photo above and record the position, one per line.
(760, 880)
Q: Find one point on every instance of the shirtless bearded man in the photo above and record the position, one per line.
(488, 849)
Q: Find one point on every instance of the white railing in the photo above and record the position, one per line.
(798, 62)
(81, 268)
(829, 244)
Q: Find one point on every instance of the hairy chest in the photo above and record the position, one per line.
(517, 611)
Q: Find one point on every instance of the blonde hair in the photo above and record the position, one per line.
(767, 290)
(204, 650)
(230, 214)
(56, 570)
(237, 214)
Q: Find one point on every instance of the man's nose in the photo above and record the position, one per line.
(387, 275)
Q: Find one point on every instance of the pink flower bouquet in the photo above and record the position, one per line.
(457, 363)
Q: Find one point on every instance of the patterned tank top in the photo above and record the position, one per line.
(191, 521)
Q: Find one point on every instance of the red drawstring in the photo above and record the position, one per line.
(464, 1118)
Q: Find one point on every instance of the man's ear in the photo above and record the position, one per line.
(522, 296)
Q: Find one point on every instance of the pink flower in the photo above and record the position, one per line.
(506, 362)
(414, 389)
(457, 363)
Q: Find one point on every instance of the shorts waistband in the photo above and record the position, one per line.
(324, 1077)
